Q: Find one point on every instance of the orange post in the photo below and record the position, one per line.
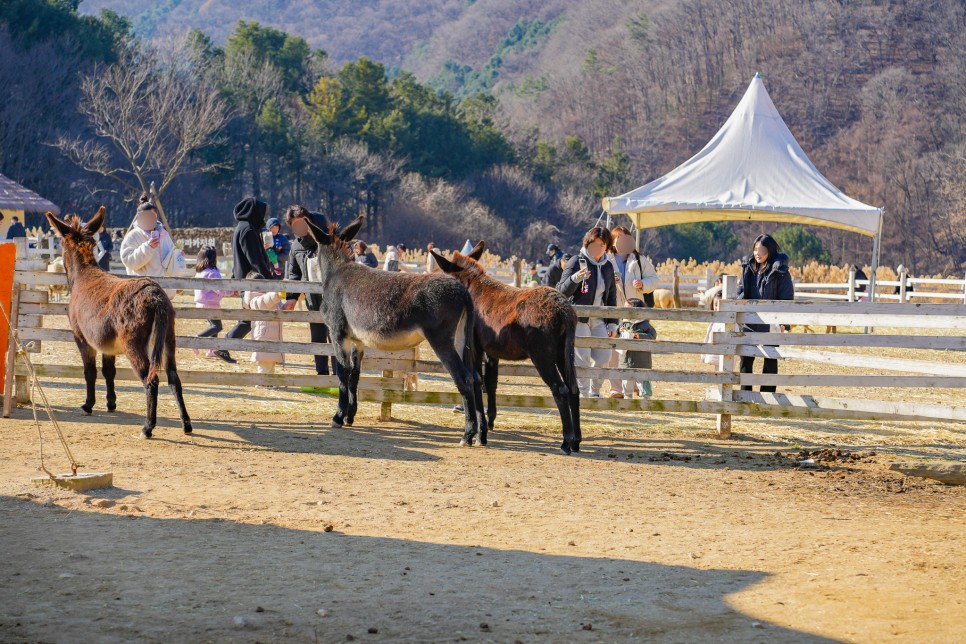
(8, 255)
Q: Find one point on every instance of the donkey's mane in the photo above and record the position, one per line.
(84, 244)
(475, 273)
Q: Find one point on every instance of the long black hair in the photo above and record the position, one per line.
(207, 258)
(770, 245)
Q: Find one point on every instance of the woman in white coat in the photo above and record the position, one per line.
(147, 244)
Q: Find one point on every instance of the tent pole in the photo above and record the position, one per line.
(875, 262)
(637, 238)
(876, 249)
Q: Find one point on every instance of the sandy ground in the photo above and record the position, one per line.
(271, 527)
(266, 525)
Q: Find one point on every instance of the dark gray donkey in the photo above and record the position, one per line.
(391, 312)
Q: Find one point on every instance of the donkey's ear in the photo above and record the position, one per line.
(59, 225)
(320, 236)
(96, 221)
(349, 232)
(477, 251)
(444, 264)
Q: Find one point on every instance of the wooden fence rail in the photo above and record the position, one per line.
(389, 375)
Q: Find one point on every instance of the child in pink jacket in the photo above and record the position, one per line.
(206, 266)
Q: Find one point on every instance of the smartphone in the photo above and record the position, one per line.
(583, 262)
(155, 234)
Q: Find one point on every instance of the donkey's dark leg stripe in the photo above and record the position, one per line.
(338, 420)
(89, 358)
(491, 379)
(546, 365)
(109, 369)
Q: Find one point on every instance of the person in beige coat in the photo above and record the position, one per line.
(636, 278)
(264, 329)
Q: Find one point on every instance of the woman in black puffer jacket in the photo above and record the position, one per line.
(588, 278)
(764, 276)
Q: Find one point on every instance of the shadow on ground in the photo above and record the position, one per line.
(77, 576)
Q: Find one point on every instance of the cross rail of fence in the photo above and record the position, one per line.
(389, 375)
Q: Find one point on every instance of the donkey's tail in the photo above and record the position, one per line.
(465, 331)
(569, 368)
(159, 333)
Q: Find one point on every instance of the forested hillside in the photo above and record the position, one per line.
(510, 119)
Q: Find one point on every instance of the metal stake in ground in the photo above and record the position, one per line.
(72, 481)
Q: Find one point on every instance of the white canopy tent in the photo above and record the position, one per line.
(753, 169)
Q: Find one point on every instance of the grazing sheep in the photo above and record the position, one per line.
(663, 298)
(56, 291)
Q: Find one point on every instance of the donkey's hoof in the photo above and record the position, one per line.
(111, 407)
(187, 429)
(337, 423)
(348, 423)
(146, 433)
(565, 448)
(466, 443)
(575, 447)
(87, 410)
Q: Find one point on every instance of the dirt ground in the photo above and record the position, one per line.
(266, 525)
(269, 526)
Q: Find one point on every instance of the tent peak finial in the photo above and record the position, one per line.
(757, 74)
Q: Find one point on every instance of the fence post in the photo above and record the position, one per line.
(385, 409)
(708, 280)
(964, 289)
(727, 363)
(851, 283)
(517, 271)
(9, 296)
(411, 378)
(903, 274)
(10, 356)
(676, 287)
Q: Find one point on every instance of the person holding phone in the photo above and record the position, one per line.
(146, 244)
(764, 276)
(588, 279)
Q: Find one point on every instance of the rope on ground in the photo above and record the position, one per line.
(35, 391)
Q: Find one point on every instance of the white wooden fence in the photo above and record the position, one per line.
(393, 380)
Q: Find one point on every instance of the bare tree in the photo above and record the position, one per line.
(148, 116)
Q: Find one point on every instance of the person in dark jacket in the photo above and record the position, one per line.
(16, 229)
(364, 256)
(552, 277)
(588, 278)
(301, 251)
(764, 276)
(248, 251)
(634, 359)
(107, 246)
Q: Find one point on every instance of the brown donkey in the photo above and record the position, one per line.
(114, 315)
(516, 324)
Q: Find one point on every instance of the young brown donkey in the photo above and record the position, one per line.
(516, 324)
(115, 315)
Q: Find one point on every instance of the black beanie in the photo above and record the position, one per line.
(251, 210)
